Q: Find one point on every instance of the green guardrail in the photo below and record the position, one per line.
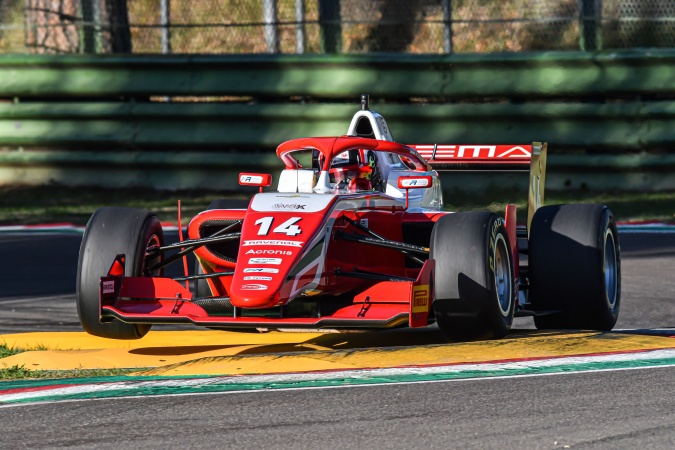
(213, 170)
(630, 72)
(616, 127)
(194, 121)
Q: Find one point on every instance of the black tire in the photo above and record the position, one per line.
(200, 288)
(474, 299)
(111, 231)
(575, 267)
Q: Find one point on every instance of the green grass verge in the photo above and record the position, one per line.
(52, 204)
(8, 351)
(21, 373)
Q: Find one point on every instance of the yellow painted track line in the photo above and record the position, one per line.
(216, 352)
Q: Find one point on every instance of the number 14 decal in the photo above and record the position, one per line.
(288, 228)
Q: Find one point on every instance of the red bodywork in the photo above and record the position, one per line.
(273, 268)
(302, 260)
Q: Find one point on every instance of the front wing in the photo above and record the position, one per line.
(160, 300)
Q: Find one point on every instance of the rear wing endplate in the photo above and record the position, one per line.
(535, 196)
(503, 158)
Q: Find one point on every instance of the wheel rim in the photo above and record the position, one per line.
(502, 271)
(610, 269)
(151, 259)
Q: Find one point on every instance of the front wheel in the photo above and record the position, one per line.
(575, 267)
(474, 284)
(109, 232)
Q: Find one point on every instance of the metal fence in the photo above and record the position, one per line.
(332, 26)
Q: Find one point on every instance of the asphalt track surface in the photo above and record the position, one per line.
(37, 282)
(613, 409)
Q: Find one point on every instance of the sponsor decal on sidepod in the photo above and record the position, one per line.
(257, 278)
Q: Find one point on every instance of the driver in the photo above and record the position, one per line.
(350, 171)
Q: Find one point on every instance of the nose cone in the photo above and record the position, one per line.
(277, 232)
(262, 267)
(271, 246)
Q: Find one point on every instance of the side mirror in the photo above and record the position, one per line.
(255, 179)
(414, 182)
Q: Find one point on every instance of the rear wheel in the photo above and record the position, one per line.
(575, 267)
(109, 232)
(473, 284)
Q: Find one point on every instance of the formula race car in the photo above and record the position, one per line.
(355, 237)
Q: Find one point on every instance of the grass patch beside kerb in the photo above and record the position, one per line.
(17, 372)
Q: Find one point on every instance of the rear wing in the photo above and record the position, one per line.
(504, 158)
(477, 157)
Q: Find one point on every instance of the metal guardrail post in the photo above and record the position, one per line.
(447, 26)
(590, 25)
(165, 22)
(91, 30)
(331, 30)
(300, 26)
(96, 16)
(271, 30)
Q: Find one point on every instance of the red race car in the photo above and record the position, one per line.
(355, 237)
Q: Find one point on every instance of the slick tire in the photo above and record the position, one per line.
(575, 267)
(474, 287)
(200, 288)
(109, 232)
